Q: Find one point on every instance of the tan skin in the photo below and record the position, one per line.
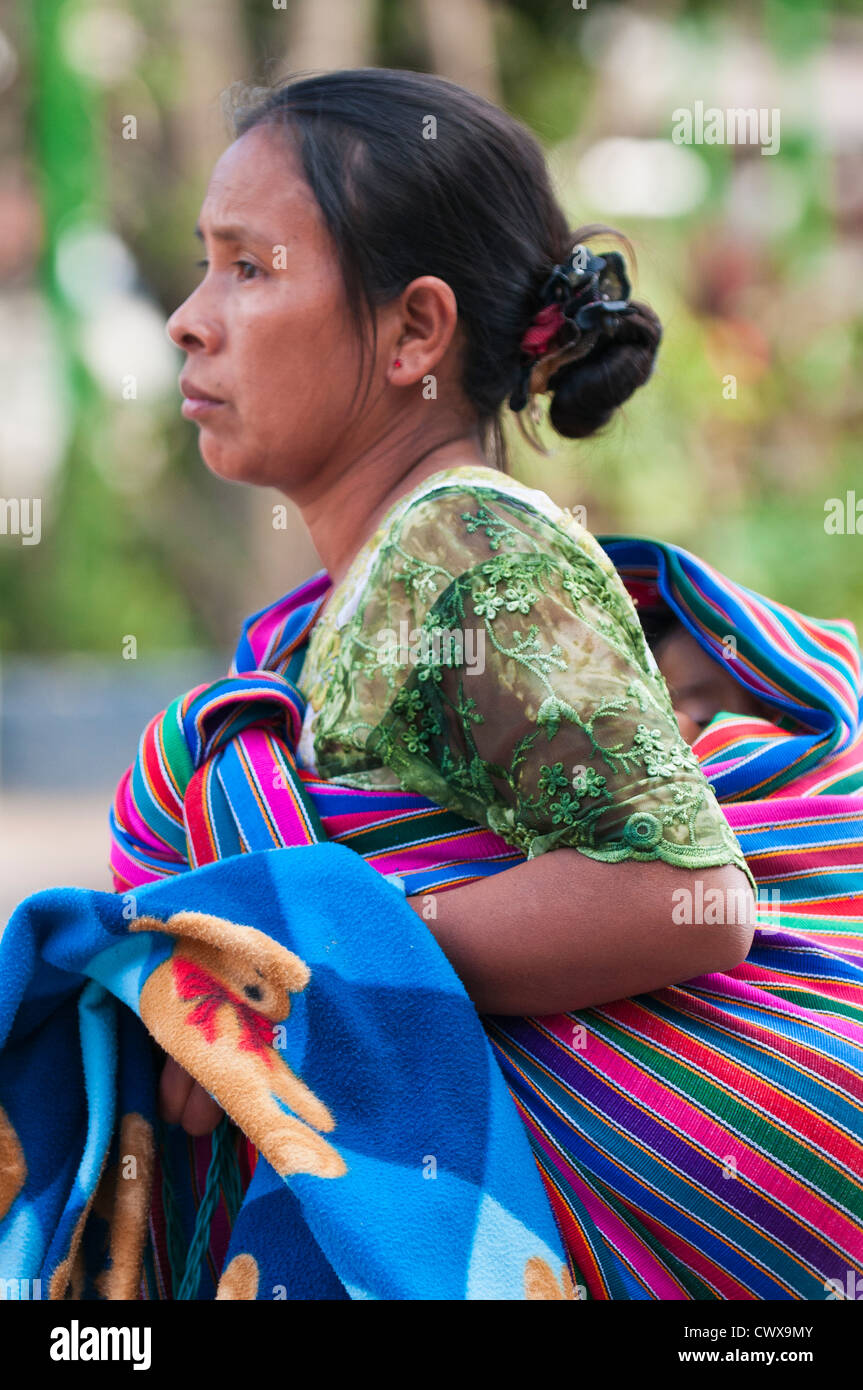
(275, 343)
(699, 685)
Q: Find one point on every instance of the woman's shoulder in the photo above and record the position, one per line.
(477, 531)
(553, 726)
(467, 544)
(460, 517)
(504, 504)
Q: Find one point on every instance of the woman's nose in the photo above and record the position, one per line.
(191, 327)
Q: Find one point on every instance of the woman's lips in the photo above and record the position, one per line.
(195, 406)
(198, 401)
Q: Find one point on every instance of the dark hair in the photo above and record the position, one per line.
(658, 624)
(415, 175)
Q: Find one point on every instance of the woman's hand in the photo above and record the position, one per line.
(183, 1101)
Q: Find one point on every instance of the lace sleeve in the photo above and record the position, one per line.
(527, 698)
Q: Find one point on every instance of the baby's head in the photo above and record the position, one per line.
(699, 685)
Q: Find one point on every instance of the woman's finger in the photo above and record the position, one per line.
(175, 1084)
(201, 1113)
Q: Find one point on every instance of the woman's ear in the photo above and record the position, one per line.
(428, 314)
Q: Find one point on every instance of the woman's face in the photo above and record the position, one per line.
(266, 330)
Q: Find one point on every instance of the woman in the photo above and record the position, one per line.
(386, 267)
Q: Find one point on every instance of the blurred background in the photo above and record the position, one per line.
(126, 568)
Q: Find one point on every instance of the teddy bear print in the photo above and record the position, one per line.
(122, 1200)
(13, 1165)
(540, 1282)
(239, 1279)
(213, 1005)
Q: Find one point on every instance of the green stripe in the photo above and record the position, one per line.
(175, 748)
(805, 999)
(392, 837)
(726, 1109)
(846, 786)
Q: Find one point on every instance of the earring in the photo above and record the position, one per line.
(398, 362)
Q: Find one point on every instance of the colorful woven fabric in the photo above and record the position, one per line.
(701, 1142)
(392, 1161)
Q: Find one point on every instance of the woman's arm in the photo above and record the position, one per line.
(557, 933)
(563, 931)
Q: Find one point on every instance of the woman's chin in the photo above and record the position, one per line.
(224, 461)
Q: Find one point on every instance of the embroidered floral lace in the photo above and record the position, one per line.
(483, 652)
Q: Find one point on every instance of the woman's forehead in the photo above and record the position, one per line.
(257, 184)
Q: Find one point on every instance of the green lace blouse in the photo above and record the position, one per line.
(483, 651)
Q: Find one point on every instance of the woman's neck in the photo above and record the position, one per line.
(342, 517)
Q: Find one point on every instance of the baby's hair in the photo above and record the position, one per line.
(414, 176)
(658, 624)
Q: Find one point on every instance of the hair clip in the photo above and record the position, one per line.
(586, 291)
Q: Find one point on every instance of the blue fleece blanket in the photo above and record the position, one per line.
(298, 987)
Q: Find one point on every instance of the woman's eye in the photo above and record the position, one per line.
(246, 265)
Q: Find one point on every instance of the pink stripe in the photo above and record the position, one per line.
(805, 861)
(455, 851)
(260, 636)
(339, 827)
(472, 844)
(390, 801)
(367, 817)
(130, 870)
(789, 810)
(131, 816)
(282, 805)
(831, 908)
(657, 1279)
(796, 983)
(755, 993)
(688, 1122)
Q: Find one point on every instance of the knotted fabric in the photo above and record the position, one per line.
(217, 774)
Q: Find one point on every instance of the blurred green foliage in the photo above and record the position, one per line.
(741, 481)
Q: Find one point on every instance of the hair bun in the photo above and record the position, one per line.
(586, 393)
